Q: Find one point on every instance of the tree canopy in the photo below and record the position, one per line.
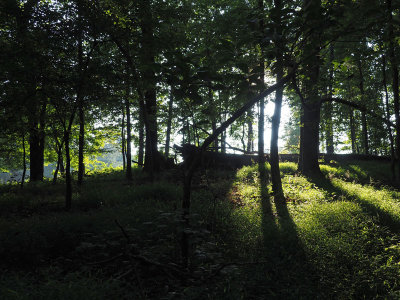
(77, 75)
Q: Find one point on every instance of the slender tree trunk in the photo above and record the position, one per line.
(329, 107)
(34, 154)
(151, 163)
(169, 123)
(274, 160)
(365, 133)
(123, 140)
(81, 142)
(128, 130)
(56, 171)
(389, 128)
(261, 116)
(250, 134)
(23, 160)
(223, 141)
(213, 121)
(395, 84)
(79, 96)
(62, 168)
(301, 137)
(188, 135)
(59, 161)
(365, 142)
(141, 132)
(276, 118)
(42, 136)
(68, 179)
(36, 144)
(243, 137)
(352, 132)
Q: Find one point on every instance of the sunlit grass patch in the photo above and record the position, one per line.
(358, 171)
(298, 189)
(249, 174)
(347, 247)
(288, 167)
(383, 202)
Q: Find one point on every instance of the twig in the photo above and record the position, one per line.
(122, 230)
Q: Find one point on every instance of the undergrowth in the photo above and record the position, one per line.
(334, 237)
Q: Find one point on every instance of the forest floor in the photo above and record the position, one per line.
(336, 237)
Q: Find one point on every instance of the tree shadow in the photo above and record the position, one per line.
(384, 217)
(285, 271)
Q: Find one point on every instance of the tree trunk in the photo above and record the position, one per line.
(128, 130)
(151, 163)
(311, 107)
(395, 84)
(310, 139)
(352, 132)
(36, 145)
(389, 128)
(223, 141)
(81, 142)
(261, 116)
(365, 143)
(169, 123)
(329, 107)
(68, 179)
(141, 133)
(59, 160)
(276, 118)
(250, 134)
(301, 136)
(23, 160)
(79, 100)
(35, 155)
(123, 140)
(212, 115)
(365, 133)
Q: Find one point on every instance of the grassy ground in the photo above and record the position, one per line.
(335, 237)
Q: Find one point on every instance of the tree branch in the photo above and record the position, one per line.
(360, 107)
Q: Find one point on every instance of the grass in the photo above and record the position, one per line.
(335, 237)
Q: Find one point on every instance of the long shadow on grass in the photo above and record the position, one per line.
(385, 218)
(285, 272)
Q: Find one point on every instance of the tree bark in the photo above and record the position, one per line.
(23, 160)
(276, 118)
(261, 116)
(352, 133)
(169, 123)
(79, 100)
(395, 84)
(141, 132)
(36, 144)
(151, 163)
(389, 128)
(311, 105)
(329, 107)
(250, 134)
(310, 139)
(68, 179)
(128, 173)
(59, 160)
(123, 140)
(365, 142)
